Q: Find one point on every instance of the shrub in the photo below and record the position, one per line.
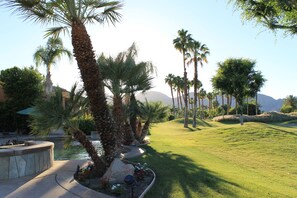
(86, 124)
(265, 117)
(286, 109)
(171, 117)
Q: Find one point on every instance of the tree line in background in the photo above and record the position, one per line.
(235, 78)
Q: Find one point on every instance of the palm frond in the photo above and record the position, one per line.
(52, 114)
(56, 31)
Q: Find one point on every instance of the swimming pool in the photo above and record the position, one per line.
(74, 150)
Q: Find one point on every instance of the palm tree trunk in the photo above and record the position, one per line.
(118, 115)
(133, 117)
(100, 166)
(145, 129)
(180, 100)
(186, 121)
(173, 105)
(93, 84)
(195, 95)
(247, 105)
(48, 84)
(256, 103)
(202, 108)
(177, 99)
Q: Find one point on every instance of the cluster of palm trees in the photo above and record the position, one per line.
(193, 52)
(71, 16)
(124, 78)
(176, 84)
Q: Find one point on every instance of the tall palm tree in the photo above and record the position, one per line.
(181, 43)
(48, 56)
(52, 114)
(72, 16)
(199, 54)
(169, 80)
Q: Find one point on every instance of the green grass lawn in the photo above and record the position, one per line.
(223, 160)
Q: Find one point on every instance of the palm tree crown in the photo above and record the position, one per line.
(67, 12)
(48, 55)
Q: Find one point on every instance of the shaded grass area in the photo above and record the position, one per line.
(223, 160)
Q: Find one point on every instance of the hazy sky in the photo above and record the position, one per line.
(153, 25)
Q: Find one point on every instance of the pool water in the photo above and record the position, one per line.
(74, 150)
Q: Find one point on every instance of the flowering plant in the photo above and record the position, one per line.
(140, 171)
(117, 189)
(84, 172)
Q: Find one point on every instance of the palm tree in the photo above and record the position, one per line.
(179, 85)
(257, 83)
(169, 80)
(114, 73)
(139, 79)
(123, 76)
(181, 43)
(199, 55)
(72, 16)
(209, 96)
(151, 112)
(48, 55)
(215, 93)
(202, 94)
(190, 84)
(52, 114)
(175, 88)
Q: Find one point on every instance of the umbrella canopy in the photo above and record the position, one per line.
(27, 111)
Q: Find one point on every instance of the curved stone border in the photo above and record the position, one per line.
(150, 186)
(31, 158)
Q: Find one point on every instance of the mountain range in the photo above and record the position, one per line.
(267, 103)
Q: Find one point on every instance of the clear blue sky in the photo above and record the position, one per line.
(153, 25)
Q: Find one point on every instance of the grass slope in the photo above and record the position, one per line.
(223, 160)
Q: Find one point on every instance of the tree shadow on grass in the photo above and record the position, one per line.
(174, 170)
(199, 122)
(282, 130)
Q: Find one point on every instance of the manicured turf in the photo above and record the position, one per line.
(223, 160)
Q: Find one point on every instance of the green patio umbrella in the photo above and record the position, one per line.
(26, 111)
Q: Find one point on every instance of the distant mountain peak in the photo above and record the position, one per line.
(267, 103)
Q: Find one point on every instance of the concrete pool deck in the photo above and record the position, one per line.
(55, 182)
